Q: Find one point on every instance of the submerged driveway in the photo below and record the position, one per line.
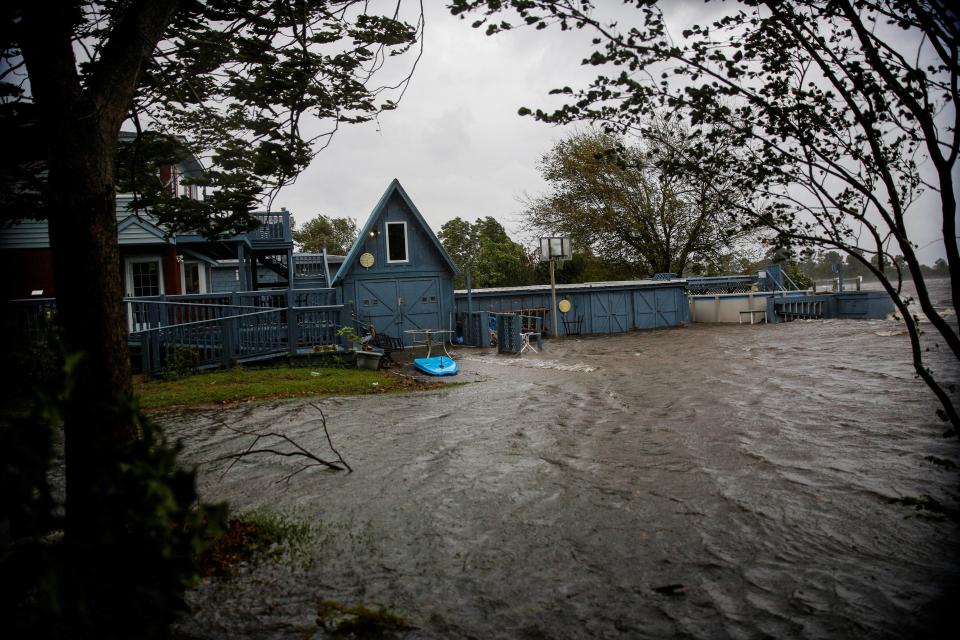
(706, 482)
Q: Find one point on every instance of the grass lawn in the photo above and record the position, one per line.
(237, 384)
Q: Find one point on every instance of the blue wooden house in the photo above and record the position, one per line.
(397, 276)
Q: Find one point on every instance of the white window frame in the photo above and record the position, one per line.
(406, 243)
(201, 269)
(128, 265)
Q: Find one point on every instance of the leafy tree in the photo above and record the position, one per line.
(826, 113)
(485, 249)
(459, 238)
(585, 267)
(628, 204)
(337, 234)
(502, 264)
(229, 80)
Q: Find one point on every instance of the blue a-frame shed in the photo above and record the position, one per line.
(397, 276)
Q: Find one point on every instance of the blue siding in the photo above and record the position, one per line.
(224, 279)
(603, 307)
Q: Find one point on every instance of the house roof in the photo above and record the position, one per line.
(133, 220)
(190, 166)
(394, 187)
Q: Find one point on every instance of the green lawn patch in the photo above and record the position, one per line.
(238, 384)
(253, 536)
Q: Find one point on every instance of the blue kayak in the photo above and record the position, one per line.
(437, 365)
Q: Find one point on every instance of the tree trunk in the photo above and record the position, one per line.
(86, 267)
(79, 124)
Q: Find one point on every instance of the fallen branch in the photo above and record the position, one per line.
(271, 439)
(323, 418)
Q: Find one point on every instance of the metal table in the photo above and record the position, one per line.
(427, 338)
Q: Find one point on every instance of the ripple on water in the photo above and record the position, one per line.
(748, 466)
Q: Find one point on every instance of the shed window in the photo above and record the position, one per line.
(397, 242)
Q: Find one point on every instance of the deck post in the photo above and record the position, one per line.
(145, 365)
(290, 270)
(227, 326)
(292, 338)
(154, 315)
(155, 363)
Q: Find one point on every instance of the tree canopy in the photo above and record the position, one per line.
(337, 235)
(485, 250)
(627, 204)
(254, 87)
(835, 118)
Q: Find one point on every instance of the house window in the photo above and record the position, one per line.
(397, 242)
(144, 277)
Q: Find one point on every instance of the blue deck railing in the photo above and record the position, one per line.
(222, 329)
(274, 228)
(238, 337)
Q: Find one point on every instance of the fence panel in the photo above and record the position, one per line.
(317, 326)
(29, 320)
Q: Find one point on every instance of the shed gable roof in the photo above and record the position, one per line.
(394, 188)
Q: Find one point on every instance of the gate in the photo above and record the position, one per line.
(610, 313)
(397, 305)
(377, 304)
(666, 308)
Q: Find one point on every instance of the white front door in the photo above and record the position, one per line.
(144, 276)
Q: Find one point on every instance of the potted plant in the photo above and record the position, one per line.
(367, 357)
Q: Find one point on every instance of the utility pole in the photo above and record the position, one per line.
(553, 297)
(554, 249)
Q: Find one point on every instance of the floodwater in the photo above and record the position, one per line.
(740, 470)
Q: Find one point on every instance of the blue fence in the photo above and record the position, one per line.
(218, 329)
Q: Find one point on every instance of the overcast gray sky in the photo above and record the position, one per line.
(456, 142)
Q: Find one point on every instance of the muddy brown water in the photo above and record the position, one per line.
(700, 482)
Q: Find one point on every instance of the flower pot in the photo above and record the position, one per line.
(368, 360)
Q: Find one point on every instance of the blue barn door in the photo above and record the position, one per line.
(377, 304)
(610, 312)
(644, 309)
(666, 308)
(420, 304)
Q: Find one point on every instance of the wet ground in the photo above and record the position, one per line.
(704, 482)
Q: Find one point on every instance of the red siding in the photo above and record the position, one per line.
(25, 270)
(171, 271)
(166, 178)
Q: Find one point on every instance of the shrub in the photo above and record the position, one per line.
(184, 362)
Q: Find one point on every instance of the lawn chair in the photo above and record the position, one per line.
(385, 342)
(572, 327)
